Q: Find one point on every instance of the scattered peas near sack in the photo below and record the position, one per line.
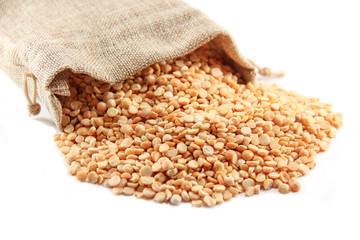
(188, 130)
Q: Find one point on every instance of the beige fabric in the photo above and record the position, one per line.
(107, 39)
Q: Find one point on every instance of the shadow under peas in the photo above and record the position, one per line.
(47, 122)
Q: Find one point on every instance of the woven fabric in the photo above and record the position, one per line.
(107, 39)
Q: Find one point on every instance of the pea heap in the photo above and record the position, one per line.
(190, 130)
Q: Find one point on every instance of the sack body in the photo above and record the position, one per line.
(109, 40)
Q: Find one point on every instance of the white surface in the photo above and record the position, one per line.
(315, 42)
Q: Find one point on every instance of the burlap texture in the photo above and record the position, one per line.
(107, 39)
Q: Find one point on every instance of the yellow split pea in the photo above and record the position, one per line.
(190, 130)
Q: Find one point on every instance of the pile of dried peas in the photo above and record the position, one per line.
(187, 130)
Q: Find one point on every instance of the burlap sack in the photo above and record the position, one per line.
(107, 39)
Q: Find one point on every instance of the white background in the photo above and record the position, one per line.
(315, 42)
